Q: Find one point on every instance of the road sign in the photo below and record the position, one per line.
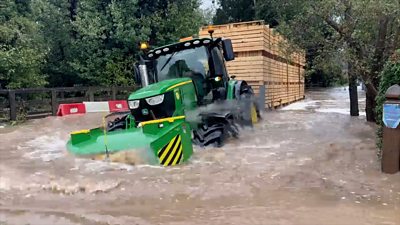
(391, 115)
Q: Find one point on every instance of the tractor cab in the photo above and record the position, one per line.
(201, 60)
(177, 78)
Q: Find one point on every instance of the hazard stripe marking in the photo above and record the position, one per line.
(171, 158)
(169, 149)
(178, 156)
(171, 153)
(164, 151)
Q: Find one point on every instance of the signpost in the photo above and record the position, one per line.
(391, 131)
(391, 115)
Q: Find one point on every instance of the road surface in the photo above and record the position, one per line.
(308, 163)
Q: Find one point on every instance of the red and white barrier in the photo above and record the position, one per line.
(70, 109)
(116, 106)
(90, 107)
(96, 107)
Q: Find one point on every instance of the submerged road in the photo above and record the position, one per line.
(308, 163)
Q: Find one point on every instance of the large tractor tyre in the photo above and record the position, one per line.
(249, 111)
(210, 135)
(215, 133)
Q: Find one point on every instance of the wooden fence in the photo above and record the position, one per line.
(40, 102)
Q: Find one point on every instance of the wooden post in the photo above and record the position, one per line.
(54, 104)
(91, 95)
(114, 93)
(13, 105)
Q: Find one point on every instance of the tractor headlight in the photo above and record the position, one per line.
(133, 104)
(155, 100)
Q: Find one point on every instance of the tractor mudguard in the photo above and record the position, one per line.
(241, 87)
(249, 105)
(238, 90)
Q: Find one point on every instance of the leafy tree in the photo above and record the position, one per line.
(105, 35)
(234, 11)
(180, 19)
(85, 42)
(207, 15)
(108, 33)
(55, 19)
(22, 49)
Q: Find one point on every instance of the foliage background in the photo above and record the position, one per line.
(85, 42)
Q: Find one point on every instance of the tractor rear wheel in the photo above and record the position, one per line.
(249, 112)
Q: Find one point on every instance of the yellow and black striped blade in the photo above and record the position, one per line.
(171, 154)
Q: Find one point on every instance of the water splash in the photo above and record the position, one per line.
(46, 148)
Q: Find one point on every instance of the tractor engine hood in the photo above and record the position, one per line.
(158, 88)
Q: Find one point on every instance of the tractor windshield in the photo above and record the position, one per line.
(192, 63)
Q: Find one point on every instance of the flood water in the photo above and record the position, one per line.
(308, 163)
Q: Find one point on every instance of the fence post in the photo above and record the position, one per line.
(114, 93)
(54, 105)
(91, 94)
(13, 105)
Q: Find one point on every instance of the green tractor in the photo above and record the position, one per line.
(186, 97)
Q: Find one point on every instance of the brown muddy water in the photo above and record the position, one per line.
(308, 163)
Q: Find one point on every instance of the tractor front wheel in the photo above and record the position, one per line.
(215, 131)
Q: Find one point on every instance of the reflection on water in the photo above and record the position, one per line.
(308, 163)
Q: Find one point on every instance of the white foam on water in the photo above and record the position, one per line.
(46, 147)
(102, 166)
(90, 165)
(5, 183)
(334, 110)
(301, 105)
(344, 111)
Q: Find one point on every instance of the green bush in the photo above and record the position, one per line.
(389, 76)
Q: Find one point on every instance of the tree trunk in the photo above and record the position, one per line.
(370, 105)
(73, 9)
(353, 92)
(376, 67)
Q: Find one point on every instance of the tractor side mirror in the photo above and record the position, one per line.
(229, 55)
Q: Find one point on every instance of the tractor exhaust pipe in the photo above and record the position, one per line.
(144, 76)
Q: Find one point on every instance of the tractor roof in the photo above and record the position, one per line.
(167, 49)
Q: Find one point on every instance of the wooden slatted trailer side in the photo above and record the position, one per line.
(261, 60)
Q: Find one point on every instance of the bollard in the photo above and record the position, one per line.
(391, 131)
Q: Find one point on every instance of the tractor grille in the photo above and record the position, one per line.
(147, 112)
